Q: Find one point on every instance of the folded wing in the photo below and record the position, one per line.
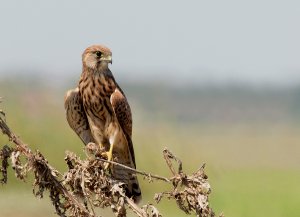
(124, 117)
(123, 114)
(76, 116)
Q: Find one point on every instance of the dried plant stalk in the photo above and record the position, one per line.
(87, 185)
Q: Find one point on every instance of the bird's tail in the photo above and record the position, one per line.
(132, 188)
(129, 178)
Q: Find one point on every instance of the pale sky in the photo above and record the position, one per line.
(255, 41)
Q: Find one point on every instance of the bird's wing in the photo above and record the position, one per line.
(76, 116)
(123, 114)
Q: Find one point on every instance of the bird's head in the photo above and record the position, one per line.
(96, 56)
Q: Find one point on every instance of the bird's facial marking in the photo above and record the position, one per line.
(90, 61)
(96, 55)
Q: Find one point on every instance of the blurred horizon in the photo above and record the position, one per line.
(159, 77)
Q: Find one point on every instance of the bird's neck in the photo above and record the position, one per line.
(101, 75)
(94, 72)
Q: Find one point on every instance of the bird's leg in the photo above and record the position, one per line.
(114, 138)
(109, 155)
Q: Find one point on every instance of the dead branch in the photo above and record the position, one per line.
(45, 175)
(4, 155)
(86, 185)
(147, 175)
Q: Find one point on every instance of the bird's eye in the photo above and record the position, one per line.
(98, 53)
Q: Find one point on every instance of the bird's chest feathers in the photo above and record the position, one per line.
(96, 91)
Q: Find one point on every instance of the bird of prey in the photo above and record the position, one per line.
(98, 111)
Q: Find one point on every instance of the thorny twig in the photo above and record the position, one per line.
(87, 185)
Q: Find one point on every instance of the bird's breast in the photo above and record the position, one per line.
(96, 92)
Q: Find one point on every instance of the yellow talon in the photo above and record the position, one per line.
(109, 156)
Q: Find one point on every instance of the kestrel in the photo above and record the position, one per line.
(98, 111)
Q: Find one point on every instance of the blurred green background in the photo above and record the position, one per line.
(217, 82)
(248, 138)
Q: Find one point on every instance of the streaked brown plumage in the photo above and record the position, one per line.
(76, 116)
(98, 111)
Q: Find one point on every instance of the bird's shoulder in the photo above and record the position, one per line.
(71, 95)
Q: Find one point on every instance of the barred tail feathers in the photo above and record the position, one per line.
(130, 180)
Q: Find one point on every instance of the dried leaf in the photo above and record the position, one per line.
(5, 153)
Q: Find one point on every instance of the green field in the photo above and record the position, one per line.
(249, 141)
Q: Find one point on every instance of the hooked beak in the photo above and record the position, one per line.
(106, 58)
